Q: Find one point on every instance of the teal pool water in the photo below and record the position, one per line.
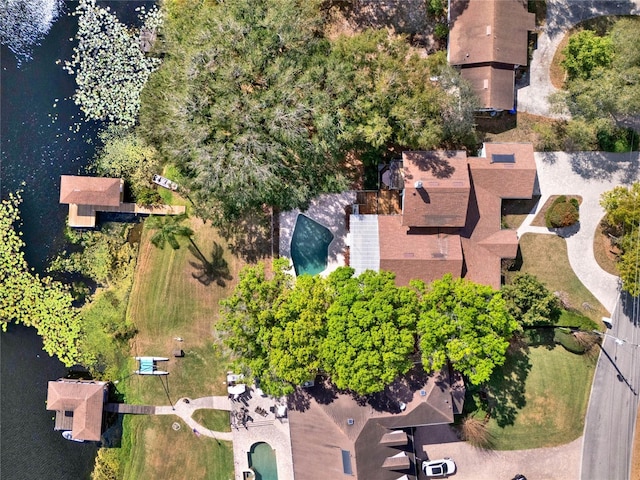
(262, 459)
(310, 246)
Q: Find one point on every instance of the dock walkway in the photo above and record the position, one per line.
(131, 409)
(84, 216)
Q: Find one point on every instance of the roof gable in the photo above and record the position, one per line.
(85, 399)
(436, 188)
(98, 191)
(488, 31)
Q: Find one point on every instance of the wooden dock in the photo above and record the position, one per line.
(131, 409)
(84, 216)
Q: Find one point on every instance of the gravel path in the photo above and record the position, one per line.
(533, 91)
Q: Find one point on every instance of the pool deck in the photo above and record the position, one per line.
(329, 211)
(261, 427)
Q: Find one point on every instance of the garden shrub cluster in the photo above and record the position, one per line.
(563, 212)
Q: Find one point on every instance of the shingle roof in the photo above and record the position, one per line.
(475, 250)
(494, 86)
(436, 189)
(418, 253)
(85, 399)
(90, 190)
(323, 413)
(486, 31)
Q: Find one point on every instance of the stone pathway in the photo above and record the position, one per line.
(185, 407)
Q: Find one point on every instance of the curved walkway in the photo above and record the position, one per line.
(185, 407)
(587, 174)
(561, 16)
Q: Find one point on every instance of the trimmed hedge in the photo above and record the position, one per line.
(562, 213)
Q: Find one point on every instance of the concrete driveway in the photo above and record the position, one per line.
(587, 174)
(561, 16)
(561, 463)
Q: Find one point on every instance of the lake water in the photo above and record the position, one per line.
(38, 143)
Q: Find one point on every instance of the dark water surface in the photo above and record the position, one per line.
(38, 143)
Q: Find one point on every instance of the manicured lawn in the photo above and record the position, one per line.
(540, 398)
(545, 256)
(216, 420)
(515, 211)
(159, 451)
(171, 299)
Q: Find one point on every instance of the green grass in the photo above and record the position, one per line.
(216, 420)
(545, 256)
(540, 398)
(158, 451)
(168, 301)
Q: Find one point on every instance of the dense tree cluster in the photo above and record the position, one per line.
(622, 207)
(465, 323)
(603, 84)
(31, 300)
(361, 331)
(255, 106)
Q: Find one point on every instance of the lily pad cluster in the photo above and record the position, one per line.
(109, 65)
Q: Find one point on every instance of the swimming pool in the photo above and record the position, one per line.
(262, 459)
(310, 246)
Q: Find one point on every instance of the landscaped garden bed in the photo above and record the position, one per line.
(559, 208)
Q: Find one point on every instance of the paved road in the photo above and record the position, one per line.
(608, 437)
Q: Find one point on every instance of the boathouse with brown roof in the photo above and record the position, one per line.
(79, 407)
(86, 196)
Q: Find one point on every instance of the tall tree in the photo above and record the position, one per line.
(464, 323)
(248, 318)
(622, 207)
(169, 229)
(605, 83)
(370, 330)
(530, 302)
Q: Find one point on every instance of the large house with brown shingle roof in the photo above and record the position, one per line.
(488, 40)
(451, 216)
(378, 437)
(79, 407)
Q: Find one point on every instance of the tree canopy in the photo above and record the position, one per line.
(622, 207)
(465, 323)
(360, 331)
(255, 106)
(604, 73)
(530, 302)
(370, 330)
(31, 300)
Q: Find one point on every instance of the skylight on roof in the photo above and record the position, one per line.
(503, 158)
